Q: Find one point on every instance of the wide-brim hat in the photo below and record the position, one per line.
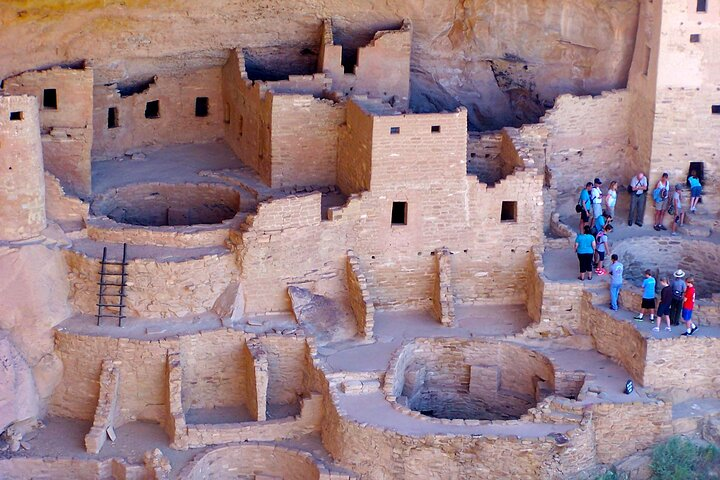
(679, 274)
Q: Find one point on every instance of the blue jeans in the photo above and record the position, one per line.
(614, 292)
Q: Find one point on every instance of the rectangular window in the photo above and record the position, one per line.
(646, 66)
(702, 5)
(435, 129)
(695, 38)
(50, 99)
(152, 109)
(399, 213)
(394, 130)
(202, 106)
(113, 117)
(508, 212)
(16, 116)
(715, 109)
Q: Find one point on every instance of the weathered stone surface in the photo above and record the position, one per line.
(18, 395)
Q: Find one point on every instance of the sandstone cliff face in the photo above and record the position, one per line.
(503, 59)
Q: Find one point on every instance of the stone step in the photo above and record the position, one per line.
(692, 230)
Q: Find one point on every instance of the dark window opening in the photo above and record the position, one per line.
(646, 67)
(702, 5)
(695, 38)
(394, 130)
(152, 109)
(399, 213)
(113, 117)
(715, 109)
(16, 115)
(349, 59)
(435, 129)
(508, 212)
(202, 106)
(699, 169)
(50, 98)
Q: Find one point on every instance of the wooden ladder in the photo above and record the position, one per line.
(116, 281)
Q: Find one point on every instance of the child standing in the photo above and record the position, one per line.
(688, 305)
(602, 248)
(616, 270)
(648, 298)
(664, 307)
(611, 198)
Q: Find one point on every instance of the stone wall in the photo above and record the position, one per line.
(106, 410)
(354, 162)
(172, 288)
(484, 158)
(22, 184)
(176, 121)
(64, 209)
(443, 296)
(67, 127)
(588, 138)
(22, 468)
(257, 380)
(360, 301)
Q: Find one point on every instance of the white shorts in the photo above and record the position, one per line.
(597, 209)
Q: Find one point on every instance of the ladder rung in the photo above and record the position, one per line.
(113, 294)
(114, 263)
(113, 274)
(110, 316)
(112, 284)
(110, 305)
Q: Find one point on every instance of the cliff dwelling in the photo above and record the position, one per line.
(334, 241)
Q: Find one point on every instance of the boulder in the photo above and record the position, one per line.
(18, 395)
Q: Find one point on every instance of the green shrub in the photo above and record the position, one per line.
(613, 475)
(680, 459)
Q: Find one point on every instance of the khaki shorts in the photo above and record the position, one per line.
(660, 205)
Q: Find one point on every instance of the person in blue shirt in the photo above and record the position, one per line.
(585, 204)
(616, 271)
(648, 298)
(695, 190)
(585, 249)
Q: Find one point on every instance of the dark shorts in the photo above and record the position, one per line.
(663, 309)
(584, 216)
(695, 192)
(686, 314)
(648, 303)
(585, 260)
(601, 256)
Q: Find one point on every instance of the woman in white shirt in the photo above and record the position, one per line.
(611, 198)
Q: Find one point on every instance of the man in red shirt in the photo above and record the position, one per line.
(688, 305)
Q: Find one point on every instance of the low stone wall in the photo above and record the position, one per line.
(706, 311)
(22, 468)
(257, 380)
(443, 297)
(360, 300)
(106, 408)
(156, 288)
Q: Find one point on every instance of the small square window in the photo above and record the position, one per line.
(394, 130)
(152, 109)
(16, 116)
(399, 213)
(716, 109)
(435, 129)
(113, 117)
(702, 5)
(50, 99)
(695, 38)
(508, 212)
(202, 106)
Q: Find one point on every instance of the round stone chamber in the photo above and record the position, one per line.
(664, 255)
(470, 379)
(159, 204)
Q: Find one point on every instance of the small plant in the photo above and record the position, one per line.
(613, 475)
(680, 459)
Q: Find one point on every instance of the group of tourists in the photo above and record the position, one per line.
(597, 210)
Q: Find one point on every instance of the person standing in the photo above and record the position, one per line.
(602, 248)
(585, 249)
(611, 199)
(584, 206)
(688, 305)
(616, 281)
(677, 209)
(695, 190)
(660, 197)
(638, 189)
(648, 298)
(596, 198)
(663, 310)
(678, 293)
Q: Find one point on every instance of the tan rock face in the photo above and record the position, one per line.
(493, 56)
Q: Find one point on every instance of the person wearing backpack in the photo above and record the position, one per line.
(678, 292)
(660, 197)
(602, 248)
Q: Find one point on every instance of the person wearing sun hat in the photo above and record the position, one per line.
(678, 292)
